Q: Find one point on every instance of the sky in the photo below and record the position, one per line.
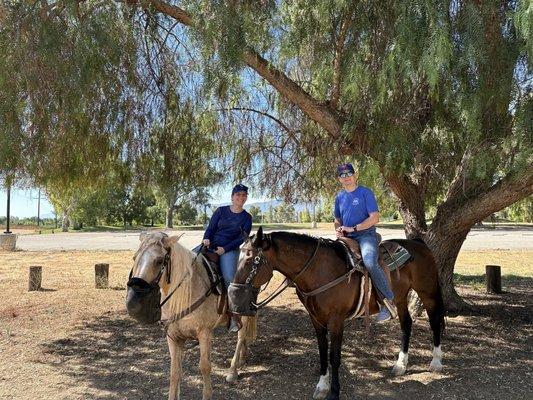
(24, 201)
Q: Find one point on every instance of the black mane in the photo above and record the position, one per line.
(335, 245)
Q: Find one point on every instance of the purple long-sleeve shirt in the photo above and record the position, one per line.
(228, 229)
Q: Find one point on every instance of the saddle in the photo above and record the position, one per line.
(392, 256)
(212, 266)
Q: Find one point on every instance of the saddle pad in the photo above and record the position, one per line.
(396, 259)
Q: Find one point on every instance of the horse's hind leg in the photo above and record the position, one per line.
(205, 337)
(400, 366)
(323, 386)
(176, 356)
(435, 309)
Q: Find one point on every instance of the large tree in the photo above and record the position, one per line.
(180, 154)
(438, 94)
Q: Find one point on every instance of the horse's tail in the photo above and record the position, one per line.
(249, 328)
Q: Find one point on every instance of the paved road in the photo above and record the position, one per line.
(477, 239)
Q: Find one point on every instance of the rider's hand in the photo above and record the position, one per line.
(206, 242)
(220, 250)
(347, 229)
(339, 232)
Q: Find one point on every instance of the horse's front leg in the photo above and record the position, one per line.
(336, 330)
(323, 386)
(176, 356)
(236, 361)
(204, 338)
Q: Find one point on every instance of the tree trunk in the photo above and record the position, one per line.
(445, 243)
(65, 222)
(169, 223)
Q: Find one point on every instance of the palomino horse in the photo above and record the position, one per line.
(163, 266)
(317, 267)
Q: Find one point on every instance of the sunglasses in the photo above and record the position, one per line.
(345, 174)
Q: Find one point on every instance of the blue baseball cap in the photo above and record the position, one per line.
(239, 188)
(343, 168)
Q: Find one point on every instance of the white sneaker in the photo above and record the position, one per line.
(384, 315)
(233, 326)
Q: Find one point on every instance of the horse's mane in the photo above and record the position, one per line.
(183, 261)
(336, 246)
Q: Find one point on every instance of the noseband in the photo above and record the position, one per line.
(149, 294)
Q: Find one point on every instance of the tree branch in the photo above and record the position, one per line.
(337, 60)
(323, 114)
(510, 189)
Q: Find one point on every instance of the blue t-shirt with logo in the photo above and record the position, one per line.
(352, 208)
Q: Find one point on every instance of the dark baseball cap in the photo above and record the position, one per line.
(343, 168)
(239, 188)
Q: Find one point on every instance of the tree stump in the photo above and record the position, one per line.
(8, 241)
(101, 276)
(36, 276)
(493, 275)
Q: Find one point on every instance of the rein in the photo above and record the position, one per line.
(285, 284)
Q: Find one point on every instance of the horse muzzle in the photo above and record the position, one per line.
(143, 301)
(242, 299)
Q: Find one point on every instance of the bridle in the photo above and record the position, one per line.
(243, 297)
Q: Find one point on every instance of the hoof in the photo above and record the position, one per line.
(398, 370)
(232, 377)
(332, 396)
(320, 394)
(435, 366)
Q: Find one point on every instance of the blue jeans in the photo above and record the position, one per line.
(369, 251)
(228, 264)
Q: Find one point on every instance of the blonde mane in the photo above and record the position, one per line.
(183, 269)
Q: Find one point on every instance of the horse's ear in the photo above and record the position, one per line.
(258, 240)
(142, 236)
(170, 240)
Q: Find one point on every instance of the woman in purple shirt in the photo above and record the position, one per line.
(228, 228)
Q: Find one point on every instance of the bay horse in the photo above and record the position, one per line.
(162, 266)
(316, 266)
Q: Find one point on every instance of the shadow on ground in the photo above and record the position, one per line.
(486, 356)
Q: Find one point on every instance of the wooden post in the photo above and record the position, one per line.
(36, 276)
(101, 276)
(493, 276)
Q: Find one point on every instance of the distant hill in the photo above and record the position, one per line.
(265, 205)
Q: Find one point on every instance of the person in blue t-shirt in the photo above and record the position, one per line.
(356, 214)
(228, 227)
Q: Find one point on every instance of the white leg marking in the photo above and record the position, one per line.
(436, 363)
(400, 366)
(322, 388)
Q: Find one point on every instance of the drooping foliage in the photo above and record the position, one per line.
(69, 89)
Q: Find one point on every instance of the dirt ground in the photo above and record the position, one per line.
(71, 341)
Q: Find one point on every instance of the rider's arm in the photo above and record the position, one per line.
(372, 220)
